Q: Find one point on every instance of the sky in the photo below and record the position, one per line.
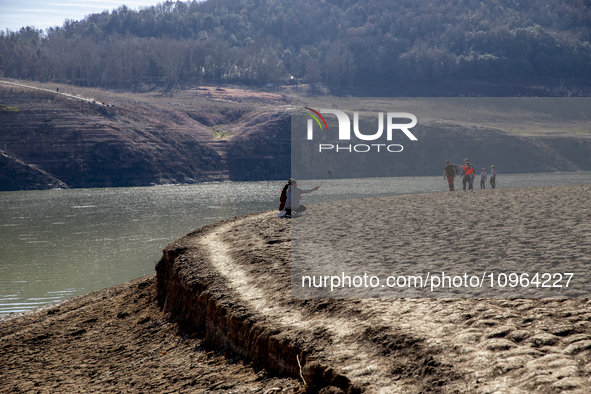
(42, 14)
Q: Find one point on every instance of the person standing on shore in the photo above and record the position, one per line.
(483, 177)
(450, 174)
(294, 195)
(493, 177)
(468, 175)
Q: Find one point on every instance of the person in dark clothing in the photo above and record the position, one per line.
(450, 174)
(493, 177)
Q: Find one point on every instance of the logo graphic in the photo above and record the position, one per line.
(345, 129)
(317, 121)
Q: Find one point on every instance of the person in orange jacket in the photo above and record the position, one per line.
(468, 175)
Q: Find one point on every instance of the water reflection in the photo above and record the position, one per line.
(60, 243)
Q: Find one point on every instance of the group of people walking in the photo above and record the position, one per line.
(468, 175)
(291, 193)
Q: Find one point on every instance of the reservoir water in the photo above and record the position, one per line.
(57, 244)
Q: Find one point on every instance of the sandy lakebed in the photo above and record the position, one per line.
(219, 315)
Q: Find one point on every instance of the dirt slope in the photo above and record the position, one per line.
(124, 139)
(117, 340)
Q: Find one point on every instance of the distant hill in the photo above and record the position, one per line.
(359, 47)
(50, 139)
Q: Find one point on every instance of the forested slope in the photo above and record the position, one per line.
(353, 46)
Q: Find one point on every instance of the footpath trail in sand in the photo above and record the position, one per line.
(278, 310)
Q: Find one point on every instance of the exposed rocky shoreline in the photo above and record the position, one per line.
(88, 138)
(227, 286)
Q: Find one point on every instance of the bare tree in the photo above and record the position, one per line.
(170, 55)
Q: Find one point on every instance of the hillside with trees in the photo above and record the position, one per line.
(359, 47)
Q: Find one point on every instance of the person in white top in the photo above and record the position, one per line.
(293, 195)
